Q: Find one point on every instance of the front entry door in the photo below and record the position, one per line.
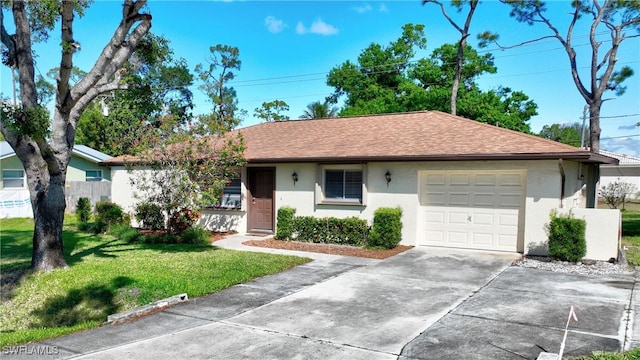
(261, 186)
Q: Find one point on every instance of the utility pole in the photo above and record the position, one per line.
(584, 119)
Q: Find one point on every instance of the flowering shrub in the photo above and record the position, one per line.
(183, 219)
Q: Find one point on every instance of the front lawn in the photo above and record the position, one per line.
(106, 276)
(631, 236)
(627, 355)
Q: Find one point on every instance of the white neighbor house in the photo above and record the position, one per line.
(460, 183)
(627, 170)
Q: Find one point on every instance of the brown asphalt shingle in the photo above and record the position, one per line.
(425, 135)
(411, 136)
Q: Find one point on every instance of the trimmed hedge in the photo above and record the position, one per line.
(387, 228)
(285, 228)
(386, 233)
(567, 238)
(347, 231)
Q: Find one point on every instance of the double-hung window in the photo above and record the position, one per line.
(342, 185)
(93, 175)
(13, 179)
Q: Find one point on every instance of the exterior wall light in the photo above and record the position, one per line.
(387, 177)
(294, 176)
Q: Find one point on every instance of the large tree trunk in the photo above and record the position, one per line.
(48, 212)
(45, 154)
(593, 180)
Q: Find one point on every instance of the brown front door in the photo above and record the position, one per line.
(261, 186)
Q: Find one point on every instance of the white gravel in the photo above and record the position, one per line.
(587, 267)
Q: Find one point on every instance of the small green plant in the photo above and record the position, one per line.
(126, 233)
(83, 210)
(182, 219)
(107, 214)
(150, 216)
(195, 235)
(566, 237)
(285, 227)
(387, 228)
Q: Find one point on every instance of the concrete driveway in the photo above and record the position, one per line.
(426, 303)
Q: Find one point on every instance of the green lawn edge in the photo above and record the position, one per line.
(107, 275)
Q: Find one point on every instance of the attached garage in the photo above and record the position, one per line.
(472, 209)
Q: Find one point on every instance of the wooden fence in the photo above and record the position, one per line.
(94, 190)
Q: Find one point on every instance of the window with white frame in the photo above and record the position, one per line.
(342, 184)
(13, 179)
(231, 198)
(93, 175)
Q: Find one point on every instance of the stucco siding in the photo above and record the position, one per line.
(541, 188)
(122, 193)
(630, 174)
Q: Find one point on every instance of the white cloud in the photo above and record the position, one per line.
(362, 9)
(300, 29)
(322, 28)
(274, 25)
(383, 8)
(317, 27)
(623, 145)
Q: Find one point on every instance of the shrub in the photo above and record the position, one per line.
(348, 231)
(617, 193)
(182, 219)
(387, 228)
(285, 223)
(150, 216)
(83, 210)
(107, 214)
(195, 235)
(566, 238)
(126, 233)
(308, 228)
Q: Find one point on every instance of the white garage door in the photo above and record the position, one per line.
(474, 210)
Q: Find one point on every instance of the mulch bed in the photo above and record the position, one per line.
(332, 249)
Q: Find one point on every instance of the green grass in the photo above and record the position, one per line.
(108, 275)
(631, 236)
(633, 354)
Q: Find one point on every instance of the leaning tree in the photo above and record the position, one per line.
(43, 143)
(618, 20)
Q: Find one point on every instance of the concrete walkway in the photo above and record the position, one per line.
(425, 303)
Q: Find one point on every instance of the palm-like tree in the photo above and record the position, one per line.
(320, 110)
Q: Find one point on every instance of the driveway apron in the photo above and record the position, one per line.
(368, 312)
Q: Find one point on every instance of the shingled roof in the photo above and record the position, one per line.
(425, 135)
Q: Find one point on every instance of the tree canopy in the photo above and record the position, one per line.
(388, 79)
(114, 122)
(319, 110)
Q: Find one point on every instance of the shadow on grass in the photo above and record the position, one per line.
(93, 302)
(631, 223)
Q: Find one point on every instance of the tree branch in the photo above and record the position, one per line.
(109, 78)
(24, 56)
(444, 12)
(66, 61)
(524, 42)
(118, 40)
(7, 40)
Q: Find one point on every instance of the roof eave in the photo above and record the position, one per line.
(581, 156)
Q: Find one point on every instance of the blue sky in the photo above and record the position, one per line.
(288, 47)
